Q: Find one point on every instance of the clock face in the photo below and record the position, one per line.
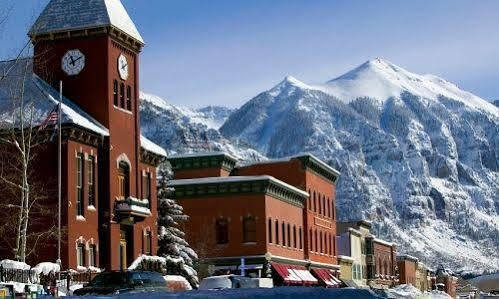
(123, 67)
(73, 62)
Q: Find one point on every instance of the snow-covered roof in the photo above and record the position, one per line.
(236, 179)
(68, 15)
(43, 97)
(152, 147)
(10, 264)
(407, 257)
(383, 242)
(203, 154)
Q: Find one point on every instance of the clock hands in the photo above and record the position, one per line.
(124, 66)
(73, 61)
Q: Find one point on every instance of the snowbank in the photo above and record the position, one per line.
(178, 279)
(10, 264)
(47, 268)
(404, 291)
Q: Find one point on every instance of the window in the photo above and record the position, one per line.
(311, 240)
(320, 234)
(316, 245)
(148, 243)
(328, 208)
(386, 268)
(289, 235)
(270, 230)
(333, 210)
(91, 180)
(147, 187)
(283, 226)
(92, 256)
(115, 93)
(324, 205)
(295, 244)
(315, 203)
(222, 231)
(249, 229)
(80, 255)
(123, 181)
(277, 232)
(300, 237)
(79, 184)
(128, 98)
(320, 205)
(122, 95)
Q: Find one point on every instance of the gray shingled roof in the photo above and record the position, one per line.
(62, 15)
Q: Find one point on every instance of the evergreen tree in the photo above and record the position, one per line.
(179, 256)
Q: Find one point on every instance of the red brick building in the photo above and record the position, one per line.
(407, 269)
(280, 216)
(109, 168)
(381, 260)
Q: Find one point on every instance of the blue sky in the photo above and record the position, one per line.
(224, 52)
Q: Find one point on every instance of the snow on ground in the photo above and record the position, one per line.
(10, 264)
(404, 291)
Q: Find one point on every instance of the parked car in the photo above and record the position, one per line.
(233, 282)
(109, 283)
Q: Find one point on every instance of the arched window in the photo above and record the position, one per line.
(295, 244)
(277, 232)
(322, 248)
(249, 229)
(222, 230)
(380, 267)
(311, 240)
(283, 226)
(315, 203)
(328, 208)
(289, 235)
(386, 268)
(123, 181)
(270, 230)
(320, 204)
(300, 237)
(324, 205)
(316, 241)
(122, 95)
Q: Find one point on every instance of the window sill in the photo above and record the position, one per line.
(91, 208)
(80, 218)
(123, 110)
(249, 243)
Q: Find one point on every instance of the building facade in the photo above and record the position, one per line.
(381, 260)
(408, 270)
(108, 168)
(278, 216)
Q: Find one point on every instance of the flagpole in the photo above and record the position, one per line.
(59, 180)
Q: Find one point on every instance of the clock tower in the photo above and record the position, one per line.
(93, 47)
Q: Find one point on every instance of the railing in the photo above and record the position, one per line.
(18, 275)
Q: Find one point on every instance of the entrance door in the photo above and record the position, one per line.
(123, 251)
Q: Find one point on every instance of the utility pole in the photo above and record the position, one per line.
(59, 262)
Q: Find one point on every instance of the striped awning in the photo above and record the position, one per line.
(294, 275)
(327, 277)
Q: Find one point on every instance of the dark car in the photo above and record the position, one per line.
(113, 283)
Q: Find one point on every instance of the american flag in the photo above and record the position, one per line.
(51, 118)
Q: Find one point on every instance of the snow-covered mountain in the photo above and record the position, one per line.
(418, 156)
(496, 102)
(183, 130)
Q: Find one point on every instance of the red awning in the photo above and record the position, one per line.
(297, 275)
(327, 277)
